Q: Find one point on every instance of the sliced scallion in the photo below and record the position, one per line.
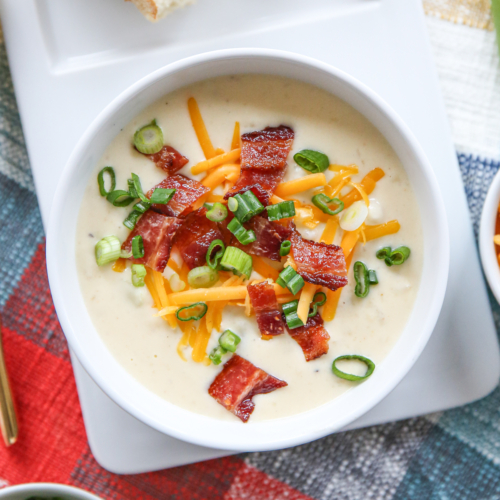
(285, 248)
(214, 253)
(138, 274)
(238, 261)
(192, 312)
(100, 180)
(319, 299)
(243, 235)
(119, 198)
(149, 139)
(137, 247)
(248, 206)
(107, 250)
(321, 200)
(232, 204)
(217, 213)
(216, 355)
(281, 210)
(312, 161)
(291, 279)
(138, 188)
(132, 219)
(161, 196)
(394, 257)
(142, 206)
(202, 277)
(364, 278)
(372, 277)
(370, 365)
(131, 188)
(229, 341)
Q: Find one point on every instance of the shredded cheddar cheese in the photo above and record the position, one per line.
(200, 129)
(236, 142)
(306, 297)
(299, 185)
(120, 265)
(215, 161)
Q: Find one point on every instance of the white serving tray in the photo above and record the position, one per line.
(69, 59)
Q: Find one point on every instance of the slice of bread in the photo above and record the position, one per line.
(156, 9)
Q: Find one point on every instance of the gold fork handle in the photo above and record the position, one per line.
(8, 419)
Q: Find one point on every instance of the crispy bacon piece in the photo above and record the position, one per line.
(195, 236)
(318, 263)
(312, 338)
(157, 232)
(238, 382)
(265, 304)
(263, 159)
(168, 159)
(188, 191)
(269, 237)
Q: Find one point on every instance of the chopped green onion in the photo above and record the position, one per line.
(229, 341)
(142, 206)
(290, 279)
(131, 188)
(321, 200)
(149, 139)
(119, 198)
(217, 213)
(161, 196)
(138, 274)
(138, 188)
(176, 284)
(394, 257)
(293, 320)
(137, 247)
(243, 235)
(370, 365)
(312, 161)
(372, 277)
(318, 300)
(216, 355)
(281, 210)
(202, 277)
(285, 248)
(208, 206)
(213, 259)
(232, 204)
(248, 206)
(362, 282)
(290, 307)
(125, 255)
(100, 180)
(238, 261)
(107, 250)
(132, 219)
(192, 312)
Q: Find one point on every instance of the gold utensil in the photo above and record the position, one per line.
(8, 419)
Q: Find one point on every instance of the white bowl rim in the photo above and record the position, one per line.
(48, 489)
(249, 440)
(489, 261)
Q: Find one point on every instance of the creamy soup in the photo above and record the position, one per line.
(147, 347)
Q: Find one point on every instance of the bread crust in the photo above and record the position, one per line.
(153, 10)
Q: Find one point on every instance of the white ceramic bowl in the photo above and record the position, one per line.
(129, 393)
(45, 490)
(486, 232)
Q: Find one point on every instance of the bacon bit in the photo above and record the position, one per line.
(238, 382)
(265, 304)
(269, 237)
(168, 159)
(263, 159)
(318, 263)
(195, 236)
(312, 338)
(188, 191)
(157, 232)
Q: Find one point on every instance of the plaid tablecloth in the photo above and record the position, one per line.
(455, 454)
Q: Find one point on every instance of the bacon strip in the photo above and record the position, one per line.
(238, 382)
(269, 237)
(312, 338)
(168, 159)
(188, 192)
(263, 159)
(157, 232)
(265, 304)
(195, 236)
(318, 263)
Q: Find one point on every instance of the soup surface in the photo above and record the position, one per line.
(146, 346)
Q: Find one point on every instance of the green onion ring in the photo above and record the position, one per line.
(119, 198)
(316, 302)
(321, 201)
(285, 248)
(232, 204)
(349, 376)
(137, 247)
(191, 311)
(214, 261)
(312, 161)
(100, 180)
